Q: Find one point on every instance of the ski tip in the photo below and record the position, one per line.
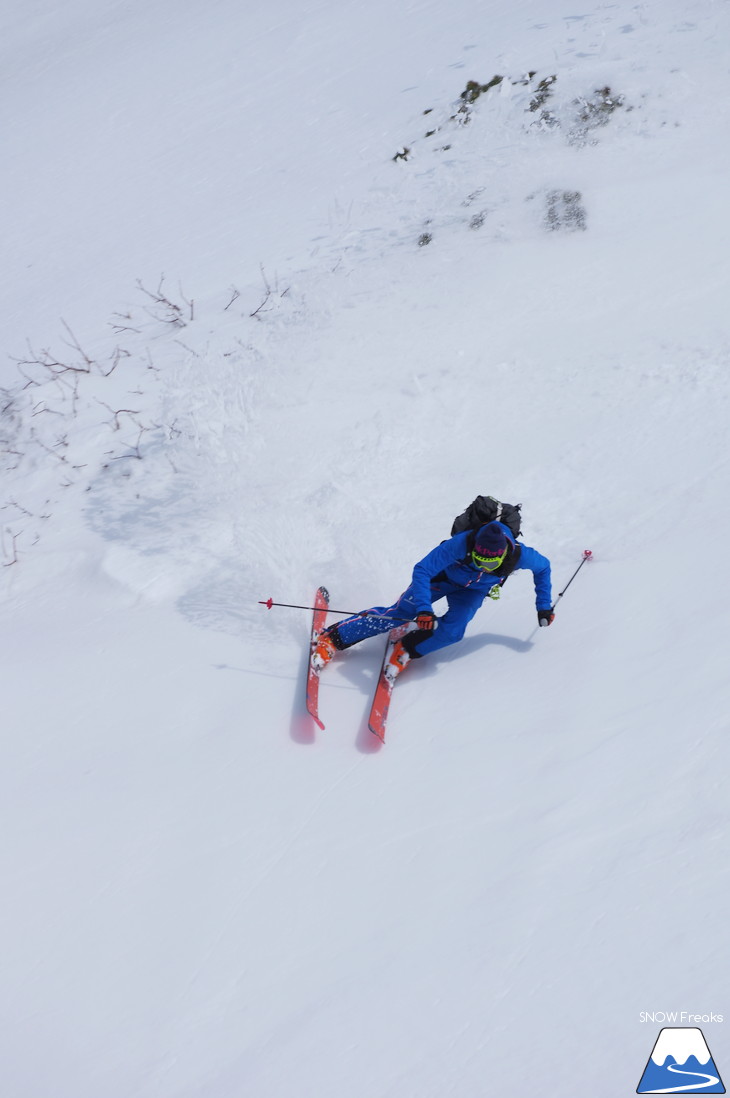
(379, 733)
(315, 717)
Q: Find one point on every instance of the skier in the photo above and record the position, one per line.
(463, 570)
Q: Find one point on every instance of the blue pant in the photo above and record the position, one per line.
(463, 605)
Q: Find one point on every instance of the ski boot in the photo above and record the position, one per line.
(400, 657)
(323, 652)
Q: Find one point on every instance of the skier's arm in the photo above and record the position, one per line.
(434, 562)
(540, 568)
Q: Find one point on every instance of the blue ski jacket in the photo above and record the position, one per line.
(452, 558)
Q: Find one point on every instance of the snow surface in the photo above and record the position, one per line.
(201, 896)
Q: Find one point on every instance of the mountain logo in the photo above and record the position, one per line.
(680, 1063)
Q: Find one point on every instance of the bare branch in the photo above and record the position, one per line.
(135, 450)
(123, 327)
(40, 407)
(190, 304)
(119, 411)
(48, 362)
(15, 453)
(76, 346)
(172, 313)
(50, 450)
(14, 503)
(267, 295)
(186, 348)
(235, 294)
(257, 311)
(117, 355)
(14, 541)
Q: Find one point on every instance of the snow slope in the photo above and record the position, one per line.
(286, 358)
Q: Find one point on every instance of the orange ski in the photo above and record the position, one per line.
(319, 617)
(384, 689)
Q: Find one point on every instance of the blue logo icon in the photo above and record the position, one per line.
(680, 1063)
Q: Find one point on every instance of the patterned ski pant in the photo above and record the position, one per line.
(462, 606)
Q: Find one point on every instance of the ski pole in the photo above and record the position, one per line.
(587, 555)
(348, 613)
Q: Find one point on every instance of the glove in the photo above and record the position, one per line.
(426, 620)
(545, 617)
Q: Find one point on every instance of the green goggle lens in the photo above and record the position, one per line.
(487, 564)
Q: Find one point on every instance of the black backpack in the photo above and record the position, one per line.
(486, 509)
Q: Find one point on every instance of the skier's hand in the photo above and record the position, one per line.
(545, 617)
(426, 620)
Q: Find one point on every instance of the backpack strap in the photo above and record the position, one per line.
(510, 563)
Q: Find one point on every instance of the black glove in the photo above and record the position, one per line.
(545, 617)
(426, 620)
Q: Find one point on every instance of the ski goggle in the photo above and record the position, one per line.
(487, 564)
